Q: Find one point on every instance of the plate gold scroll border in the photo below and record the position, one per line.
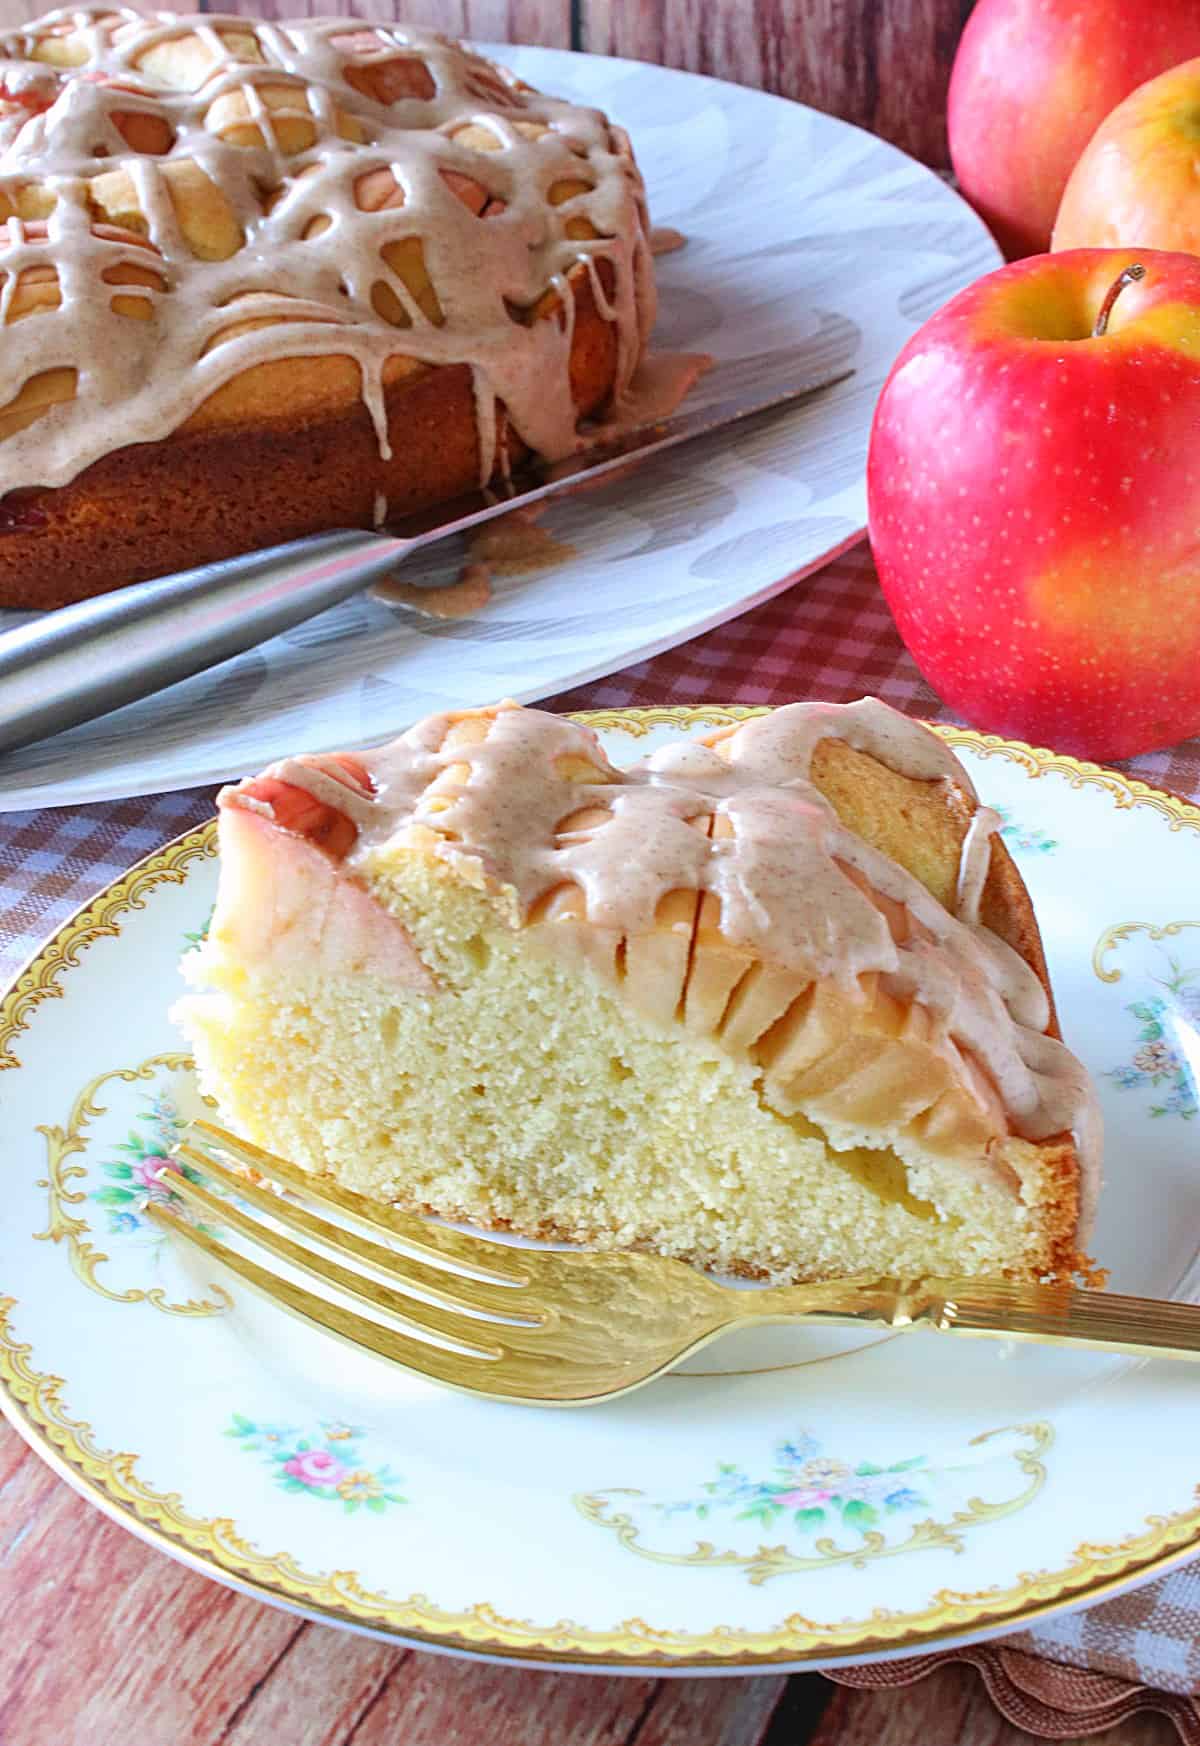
(32, 1401)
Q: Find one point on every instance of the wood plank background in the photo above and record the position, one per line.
(884, 64)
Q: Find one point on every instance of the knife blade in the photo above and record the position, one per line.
(72, 665)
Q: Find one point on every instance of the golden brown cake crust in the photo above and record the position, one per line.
(922, 826)
(241, 475)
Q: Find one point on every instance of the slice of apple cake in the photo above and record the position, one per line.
(773, 1002)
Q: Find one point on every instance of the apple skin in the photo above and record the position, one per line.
(1034, 502)
(1137, 184)
(1032, 80)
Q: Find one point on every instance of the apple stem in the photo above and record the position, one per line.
(1129, 277)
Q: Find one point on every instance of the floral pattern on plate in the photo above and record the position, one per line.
(132, 1145)
(1164, 1016)
(1026, 839)
(809, 1490)
(197, 936)
(803, 1493)
(137, 1175)
(327, 1463)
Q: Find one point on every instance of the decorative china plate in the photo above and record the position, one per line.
(798, 1499)
(801, 231)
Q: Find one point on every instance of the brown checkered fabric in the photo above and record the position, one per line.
(53, 861)
(1046, 1700)
(829, 636)
(1151, 1635)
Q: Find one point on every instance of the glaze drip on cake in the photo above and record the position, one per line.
(531, 799)
(184, 198)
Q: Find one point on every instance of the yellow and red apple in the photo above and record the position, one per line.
(1032, 81)
(1034, 500)
(1138, 181)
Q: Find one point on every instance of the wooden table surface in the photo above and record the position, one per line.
(105, 1642)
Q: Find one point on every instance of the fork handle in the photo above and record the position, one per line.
(1052, 1315)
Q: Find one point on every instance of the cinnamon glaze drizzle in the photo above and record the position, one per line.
(253, 233)
(506, 789)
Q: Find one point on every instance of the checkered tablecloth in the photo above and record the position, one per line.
(831, 637)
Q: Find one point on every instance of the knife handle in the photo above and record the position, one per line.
(67, 667)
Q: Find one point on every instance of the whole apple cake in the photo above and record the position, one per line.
(258, 280)
(773, 1002)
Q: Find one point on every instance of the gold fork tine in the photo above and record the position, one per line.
(424, 1283)
(412, 1313)
(449, 1365)
(435, 1244)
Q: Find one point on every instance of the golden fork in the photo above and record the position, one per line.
(559, 1328)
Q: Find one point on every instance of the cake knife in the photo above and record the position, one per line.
(72, 665)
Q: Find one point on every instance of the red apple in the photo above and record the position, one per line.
(1032, 81)
(1034, 501)
(1135, 185)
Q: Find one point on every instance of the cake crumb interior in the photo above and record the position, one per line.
(638, 1137)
